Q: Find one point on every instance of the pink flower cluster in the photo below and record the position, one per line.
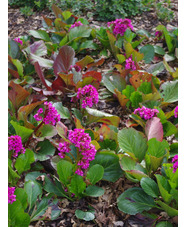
(146, 113)
(159, 34)
(51, 115)
(82, 141)
(119, 26)
(18, 40)
(76, 24)
(64, 148)
(130, 64)
(11, 196)
(15, 143)
(176, 112)
(89, 95)
(175, 161)
(76, 67)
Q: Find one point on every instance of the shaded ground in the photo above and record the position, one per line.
(106, 211)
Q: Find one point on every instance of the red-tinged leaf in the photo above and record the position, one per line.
(78, 123)
(121, 98)
(44, 92)
(68, 79)
(85, 61)
(17, 94)
(41, 75)
(58, 84)
(61, 129)
(94, 74)
(87, 81)
(64, 60)
(13, 73)
(24, 111)
(154, 129)
(37, 48)
(107, 133)
(61, 33)
(57, 11)
(96, 63)
(139, 77)
(122, 70)
(47, 21)
(130, 123)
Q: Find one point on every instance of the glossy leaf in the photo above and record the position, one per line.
(45, 132)
(95, 173)
(40, 34)
(94, 191)
(133, 143)
(22, 197)
(64, 170)
(157, 148)
(148, 52)
(170, 91)
(79, 32)
(150, 187)
(86, 216)
(77, 185)
(38, 48)
(62, 110)
(154, 129)
(169, 210)
(112, 40)
(85, 61)
(44, 150)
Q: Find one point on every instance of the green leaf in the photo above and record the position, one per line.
(19, 67)
(114, 81)
(170, 91)
(64, 170)
(95, 173)
(54, 187)
(22, 131)
(169, 129)
(94, 191)
(95, 115)
(13, 49)
(16, 215)
(44, 150)
(156, 68)
(164, 188)
(136, 98)
(169, 210)
(24, 161)
(157, 148)
(89, 44)
(112, 40)
(121, 58)
(22, 197)
(77, 185)
(164, 224)
(46, 132)
(148, 52)
(143, 32)
(33, 190)
(45, 63)
(63, 111)
(172, 177)
(150, 187)
(159, 50)
(135, 200)
(133, 143)
(79, 32)
(40, 34)
(110, 163)
(145, 88)
(86, 216)
(129, 35)
(128, 91)
(12, 175)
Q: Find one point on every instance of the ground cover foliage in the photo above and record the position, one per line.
(64, 147)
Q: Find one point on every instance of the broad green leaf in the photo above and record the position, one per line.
(150, 187)
(169, 129)
(133, 143)
(22, 131)
(143, 32)
(172, 177)
(135, 200)
(169, 210)
(110, 163)
(40, 34)
(137, 56)
(121, 58)
(154, 129)
(45, 63)
(77, 185)
(94, 191)
(64, 170)
(145, 88)
(112, 40)
(24, 161)
(89, 44)
(33, 175)
(13, 49)
(95, 173)
(164, 188)
(12, 175)
(62, 110)
(157, 148)
(79, 32)
(61, 129)
(86, 216)
(95, 115)
(45, 132)
(148, 52)
(159, 50)
(54, 187)
(45, 150)
(19, 67)
(128, 91)
(170, 91)
(136, 98)
(156, 68)
(22, 197)
(66, 14)
(129, 35)
(16, 215)
(33, 190)
(164, 224)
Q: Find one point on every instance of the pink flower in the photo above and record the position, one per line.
(15, 144)
(79, 172)
(175, 161)
(51, 115)
(88, 95)
(146, 113)
(18, 40)
(11, 196)
(176, 112)
(76, 24)
(130, 64)
(159, 34)
(119, 26)
(64, 148)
